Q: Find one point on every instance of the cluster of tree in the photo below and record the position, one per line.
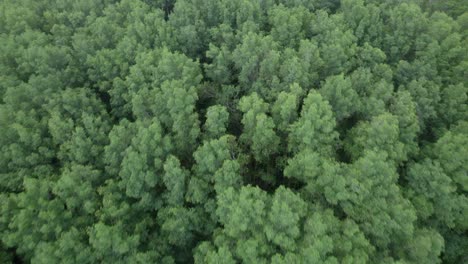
(233, 131)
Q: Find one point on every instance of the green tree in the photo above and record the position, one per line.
(375, 202)
(174, 105)
(288, 24)
(217, 120)
(143, 161)
(344, 100)
(404, 108)
(258, 128)
(315, 129)
(435, 196)
(450, 150)
(453, 106)
(175, 178)
(81, 134)
(365, 20)
(209, 158)
(379, 134)
(285, 109)
(405, 23)
(258, 62)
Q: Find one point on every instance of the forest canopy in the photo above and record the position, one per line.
(234, 131)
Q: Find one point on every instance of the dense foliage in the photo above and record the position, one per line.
(233, 131)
